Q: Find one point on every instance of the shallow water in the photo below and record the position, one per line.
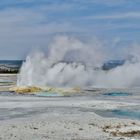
(116, 94)
(48, 94)
(128, 114)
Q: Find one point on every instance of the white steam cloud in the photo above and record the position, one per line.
(70, 62)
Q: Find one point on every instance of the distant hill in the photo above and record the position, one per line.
(112, 64)
(10, 66)
(13, 66)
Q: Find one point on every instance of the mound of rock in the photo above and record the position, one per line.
(34, 89)
(22, 90)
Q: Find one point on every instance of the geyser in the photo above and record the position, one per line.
(70, 63)
(67, 63)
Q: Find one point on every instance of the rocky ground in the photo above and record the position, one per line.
(62, 118)
(26, 117)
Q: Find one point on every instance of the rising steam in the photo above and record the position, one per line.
(70, 62)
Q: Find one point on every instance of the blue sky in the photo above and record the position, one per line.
(27, 24)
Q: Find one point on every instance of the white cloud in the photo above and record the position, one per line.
(29, 23)
(110, 2)
(116, 16)
(23, 29)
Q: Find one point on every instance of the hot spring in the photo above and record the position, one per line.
(113, 94)
(120, 113)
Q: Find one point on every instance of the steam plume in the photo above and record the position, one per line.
(70, 62)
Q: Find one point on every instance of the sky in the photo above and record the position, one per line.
(29, 24)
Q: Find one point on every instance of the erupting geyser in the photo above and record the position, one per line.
(67, 63)
(70, 63)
